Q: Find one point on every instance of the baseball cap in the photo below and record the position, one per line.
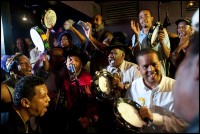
(188, 21)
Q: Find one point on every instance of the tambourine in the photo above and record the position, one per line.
(103, 88)
(153, 34)
(49, 18)
(127, 114)
(39, 38)
(68, 23)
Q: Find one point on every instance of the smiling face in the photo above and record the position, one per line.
(20, 44)
(145, 19)
(150, 68)
(65, 41)
(183, 29)
(39, 103)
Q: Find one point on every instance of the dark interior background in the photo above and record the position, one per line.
(34, 10)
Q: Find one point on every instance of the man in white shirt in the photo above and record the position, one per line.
(154, 90)
(126, 71)
(142, 38)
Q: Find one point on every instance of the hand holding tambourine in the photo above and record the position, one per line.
(145, 113)
(116, 81)
(68, 23)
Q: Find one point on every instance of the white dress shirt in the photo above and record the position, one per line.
(160, 101)
(129, 72)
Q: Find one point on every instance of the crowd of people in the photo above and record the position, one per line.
(57, 91)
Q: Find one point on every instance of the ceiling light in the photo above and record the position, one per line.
(190, 3)
(24, 18)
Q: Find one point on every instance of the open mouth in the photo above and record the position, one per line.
(181, 34)
(111, 61)
(45, 107)
(29, 71)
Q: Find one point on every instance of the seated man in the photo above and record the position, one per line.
(126, 71)
(30, 100)
(154, 90)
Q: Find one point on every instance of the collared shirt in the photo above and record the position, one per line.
(160, 101)
(142, 36)
(158, 47)
(129, 71)
(159, 96)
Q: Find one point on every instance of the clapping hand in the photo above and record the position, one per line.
(135, 27)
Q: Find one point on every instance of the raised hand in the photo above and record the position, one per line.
(135, 27)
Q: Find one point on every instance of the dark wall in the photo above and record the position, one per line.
(34, 12)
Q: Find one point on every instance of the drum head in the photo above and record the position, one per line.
(50, 18)
(104, 84)
(39, 38)
(103, 87)
(126, 112)
(154, 34)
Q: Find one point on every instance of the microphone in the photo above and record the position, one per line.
(72, 74)
(72, 68)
